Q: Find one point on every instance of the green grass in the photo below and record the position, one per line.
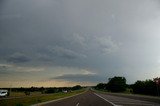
(20, 94)
(29, 100)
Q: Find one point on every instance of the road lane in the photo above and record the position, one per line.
(86, 99)
(90, 98)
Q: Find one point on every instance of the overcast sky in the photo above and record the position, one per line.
(68, 42)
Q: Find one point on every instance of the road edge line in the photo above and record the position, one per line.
(106, 100)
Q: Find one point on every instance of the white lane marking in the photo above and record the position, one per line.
(77, 104)
(106, 100)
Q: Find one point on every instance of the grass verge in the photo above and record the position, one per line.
(27, 101)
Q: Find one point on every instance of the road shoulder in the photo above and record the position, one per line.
(133, 96)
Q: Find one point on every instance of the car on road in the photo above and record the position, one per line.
(3, 93)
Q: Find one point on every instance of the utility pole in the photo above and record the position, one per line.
(157, 81)
(10, 90)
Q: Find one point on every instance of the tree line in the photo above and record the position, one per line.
(44, 90)
(118, 84)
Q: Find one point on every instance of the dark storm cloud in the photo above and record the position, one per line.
(80, 77)
(3, 70)
(18, 58)
(65, 53)
(106, 36)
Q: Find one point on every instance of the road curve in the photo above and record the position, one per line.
(90, 98)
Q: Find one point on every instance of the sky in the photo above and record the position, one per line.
(70, 42)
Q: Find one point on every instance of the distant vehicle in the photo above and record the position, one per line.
(3, 93)
(64, 91)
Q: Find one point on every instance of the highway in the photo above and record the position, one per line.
(90, 98)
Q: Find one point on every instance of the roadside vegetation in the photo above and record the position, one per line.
(118, 84)
(34, 95)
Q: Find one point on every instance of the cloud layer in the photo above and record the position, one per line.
(80, 77)
(57, 39)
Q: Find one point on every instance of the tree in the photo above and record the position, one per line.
(77, 87)
(147, 87)
(117, 84)
(101, 86)
(50, 90)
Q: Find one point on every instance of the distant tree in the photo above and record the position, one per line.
(147, 87)
(21, 89)
(138, 87)
(32, 89)
(116, 84)
(50, 90)
(157, 81)
(77, 87)
(42, 90)
(101, 86)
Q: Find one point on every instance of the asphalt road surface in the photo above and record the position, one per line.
(90, 98)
